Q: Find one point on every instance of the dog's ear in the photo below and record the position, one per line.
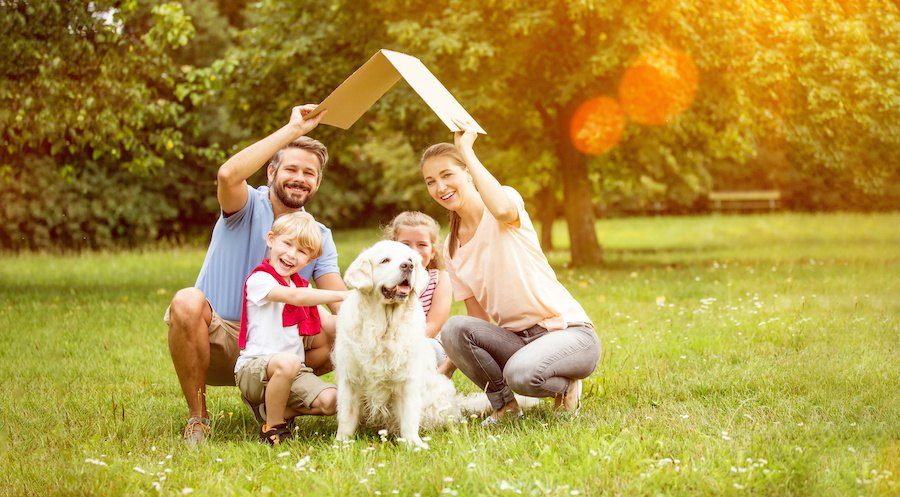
(359, 274)
(420, 278)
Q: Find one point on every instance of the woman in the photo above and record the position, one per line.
(541, 343)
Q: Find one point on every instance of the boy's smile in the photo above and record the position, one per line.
(284, 254)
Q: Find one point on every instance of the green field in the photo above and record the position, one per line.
(742, 355)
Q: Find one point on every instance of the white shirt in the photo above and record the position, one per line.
(265, 334)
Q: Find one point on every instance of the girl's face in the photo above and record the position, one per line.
(447, 182)
(419, 239)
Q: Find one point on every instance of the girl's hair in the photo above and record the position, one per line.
(447, 150)
(416, 219)
(303, 230)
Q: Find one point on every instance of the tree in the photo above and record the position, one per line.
(75, 83)
(95, 148)
(816, 81)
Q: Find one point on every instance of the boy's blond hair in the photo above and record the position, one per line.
(416, 219)
(303, 229)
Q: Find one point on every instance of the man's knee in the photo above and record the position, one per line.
(187, 309)
(327, 401)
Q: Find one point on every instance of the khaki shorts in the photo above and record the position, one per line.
(252, 380)
(224, 350)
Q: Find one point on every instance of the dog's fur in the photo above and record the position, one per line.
(385, 368)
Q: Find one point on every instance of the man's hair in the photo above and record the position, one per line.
(303, 229)
(311, 145)
(416, 219)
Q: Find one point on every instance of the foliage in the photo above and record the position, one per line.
(77, 85)
(796, 96)
(762, 77)
(95, 208)
(742, 355)
(826, 96)
(93, 136)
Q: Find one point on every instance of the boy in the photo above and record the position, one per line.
(279, 314)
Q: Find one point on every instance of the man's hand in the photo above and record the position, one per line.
(303, 126)
(232, 176)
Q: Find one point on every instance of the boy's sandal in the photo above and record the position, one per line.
(274, 435)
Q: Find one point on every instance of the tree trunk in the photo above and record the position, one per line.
(579, 210)
(546, 215)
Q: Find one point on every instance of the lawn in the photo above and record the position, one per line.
(742, 355)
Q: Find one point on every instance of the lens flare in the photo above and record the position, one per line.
(658, 87)
(597, 126)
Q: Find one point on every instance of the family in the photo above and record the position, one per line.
(252, 318)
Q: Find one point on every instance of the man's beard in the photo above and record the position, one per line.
(292, 202)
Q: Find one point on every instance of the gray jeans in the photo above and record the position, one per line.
(534, 362)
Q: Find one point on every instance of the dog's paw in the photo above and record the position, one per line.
(416, 442)
(343, 439)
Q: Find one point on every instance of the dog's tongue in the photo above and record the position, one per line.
(403, 288)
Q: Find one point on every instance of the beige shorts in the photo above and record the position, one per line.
(224, 350)
(252, 380)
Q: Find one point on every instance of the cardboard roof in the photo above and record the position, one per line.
(349, 101)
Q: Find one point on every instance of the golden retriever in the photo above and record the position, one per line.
(385, 368)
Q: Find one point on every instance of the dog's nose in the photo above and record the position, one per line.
(406, 266)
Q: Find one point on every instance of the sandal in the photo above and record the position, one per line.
(274, 435)
(197, 431)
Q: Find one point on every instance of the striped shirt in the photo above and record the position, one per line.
(425, 298)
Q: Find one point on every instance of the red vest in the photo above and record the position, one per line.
(305, 317)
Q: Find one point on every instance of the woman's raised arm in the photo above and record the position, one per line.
(501, 207)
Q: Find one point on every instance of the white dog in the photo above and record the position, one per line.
(385, 368)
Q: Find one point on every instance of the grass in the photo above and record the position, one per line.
(743, 355)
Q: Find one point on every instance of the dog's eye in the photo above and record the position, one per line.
(386, 260)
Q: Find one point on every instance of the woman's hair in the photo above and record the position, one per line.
(447, 150)
(416, 219)
(303, 229)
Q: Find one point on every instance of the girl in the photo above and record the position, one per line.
(420, 232)
(541, 343)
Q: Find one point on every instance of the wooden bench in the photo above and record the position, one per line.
(753, 199)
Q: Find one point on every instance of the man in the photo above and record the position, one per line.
(204, 321)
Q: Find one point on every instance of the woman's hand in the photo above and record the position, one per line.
(466, 138)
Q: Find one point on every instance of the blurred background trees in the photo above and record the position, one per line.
(116, 114)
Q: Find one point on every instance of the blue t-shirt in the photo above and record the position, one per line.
(239, 244)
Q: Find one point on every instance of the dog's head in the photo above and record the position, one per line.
(390, 269)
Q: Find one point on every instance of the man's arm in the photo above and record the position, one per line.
(232, 176)
(331, 281)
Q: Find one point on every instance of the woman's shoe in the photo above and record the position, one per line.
(570, 402)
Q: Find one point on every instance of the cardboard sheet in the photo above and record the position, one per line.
(349, 101)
